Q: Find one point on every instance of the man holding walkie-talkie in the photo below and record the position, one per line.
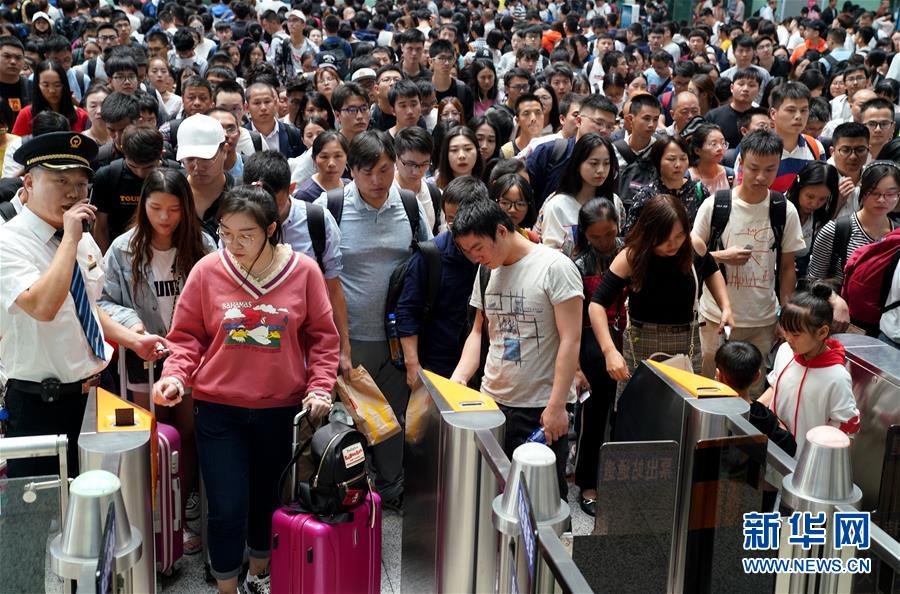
(51, 275)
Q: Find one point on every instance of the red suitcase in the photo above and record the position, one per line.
(311, 556)
(168, 519)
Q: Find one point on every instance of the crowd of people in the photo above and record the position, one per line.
(228, 189)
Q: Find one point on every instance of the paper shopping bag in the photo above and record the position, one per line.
(370, 410)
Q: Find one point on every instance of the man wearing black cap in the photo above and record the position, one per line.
(50, 279)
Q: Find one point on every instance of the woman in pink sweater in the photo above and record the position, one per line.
(253, 336)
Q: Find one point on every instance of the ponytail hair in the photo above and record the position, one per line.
(809, 310)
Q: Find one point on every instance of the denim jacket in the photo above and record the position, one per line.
(119, 299)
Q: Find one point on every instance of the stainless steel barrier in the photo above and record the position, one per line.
(443, 487)
(454, 460)
(126, 453)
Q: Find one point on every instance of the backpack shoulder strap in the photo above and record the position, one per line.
(335, 203)
(92, 68)
(411, 206)
(559, 150)
(7, 211)
(295, 138)
(173, 132)
(840, 243)
(629, 155)
(720, 214)
(256, 139)
(813, 146)
(777, 217)
(315, 225)
(116, 168)
(437, 203)
(432, 256)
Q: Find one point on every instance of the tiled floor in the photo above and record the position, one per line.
(190, 578)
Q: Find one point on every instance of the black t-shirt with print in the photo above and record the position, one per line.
(14, 97)
(117, 192)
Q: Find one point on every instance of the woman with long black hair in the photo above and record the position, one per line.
(51, 92)
(814, 193)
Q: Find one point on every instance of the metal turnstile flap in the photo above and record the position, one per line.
(460, 398)
(696, 385)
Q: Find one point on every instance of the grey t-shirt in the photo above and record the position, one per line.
(522, 326)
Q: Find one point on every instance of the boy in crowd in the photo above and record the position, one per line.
(878, 116)
(443, 58)
(849, 153)
(405, 102)
(789, 110)
(746, 251)
(642, 118)
(443, 347)
(745, 85)
(530, 369)
(530, 122)
(414, 147)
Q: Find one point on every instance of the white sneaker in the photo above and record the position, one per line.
(256, 584)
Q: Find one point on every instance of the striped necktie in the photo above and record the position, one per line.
(85, 315)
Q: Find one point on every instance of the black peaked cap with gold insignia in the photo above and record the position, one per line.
(58, 151)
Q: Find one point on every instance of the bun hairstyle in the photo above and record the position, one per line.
(809, 310)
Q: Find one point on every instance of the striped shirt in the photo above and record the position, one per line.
(824, 265)
(791, 163)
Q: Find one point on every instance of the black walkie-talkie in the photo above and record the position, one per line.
(86, 225)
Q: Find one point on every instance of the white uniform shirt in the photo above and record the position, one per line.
(32, 350)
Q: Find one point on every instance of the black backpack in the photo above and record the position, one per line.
(638, 173)
(777, 219)
(340, 482)
(338, 56)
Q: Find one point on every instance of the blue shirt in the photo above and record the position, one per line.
(545, 179)
(373, 242)
(296, 233)
(441, 340)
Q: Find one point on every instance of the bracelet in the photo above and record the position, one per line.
(175, 382)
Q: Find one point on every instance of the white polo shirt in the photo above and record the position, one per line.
(30, 349)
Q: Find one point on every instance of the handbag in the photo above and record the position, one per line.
(371, 412)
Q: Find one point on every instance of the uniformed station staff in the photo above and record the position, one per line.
(51, 275)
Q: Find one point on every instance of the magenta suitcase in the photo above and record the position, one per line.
(168, 522)
(310, 556)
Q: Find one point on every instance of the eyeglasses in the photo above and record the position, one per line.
(513, 205)
(846, 151)
(231, 130)
(599, 122)
(717, 145)
(356, 110)
(877, 124)
(227, 238)
(521, 87)
(854, 79)
(125, 77)
(444, 59)
(415, 166)
(389, 79)
(889, 196)
(108, 37)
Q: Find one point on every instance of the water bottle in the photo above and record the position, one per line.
(394, 341)
(538, 436)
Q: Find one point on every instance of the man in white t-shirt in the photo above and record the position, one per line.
(532, 302)
(746, 251)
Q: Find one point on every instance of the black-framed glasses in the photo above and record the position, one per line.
(356, 110)
(846, 151)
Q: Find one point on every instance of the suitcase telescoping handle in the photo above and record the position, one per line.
(123, 378)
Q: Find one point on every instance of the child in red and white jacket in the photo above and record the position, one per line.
(810, 384)
(254, 336)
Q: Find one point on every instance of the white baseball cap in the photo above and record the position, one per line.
(297, 13)
(199, 136)
(363, 73)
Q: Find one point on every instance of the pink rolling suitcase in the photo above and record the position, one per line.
(168, 519)
(309, 555)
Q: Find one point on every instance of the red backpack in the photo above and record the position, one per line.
(867, 278)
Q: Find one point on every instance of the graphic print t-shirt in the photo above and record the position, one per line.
(751, 287)
(519, 302)
(167, 286)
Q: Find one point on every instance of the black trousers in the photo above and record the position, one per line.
(30, 415)
(592, 414)
(520, 424)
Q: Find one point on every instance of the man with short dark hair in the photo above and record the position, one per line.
(744, 89)
(856, 77)
(529, 123)
(443, 58)
(405, 101)
(117, 186)
(15, 92)
(878, 116)
(118, 111)
(849, 154)
(743, 48)
(196, 99)
(412, 44)
(262, 103)
(531, 362)
(373, 219)
(642, 118)
(386, 77)
(351, 107)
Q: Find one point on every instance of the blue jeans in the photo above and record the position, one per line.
(242, 453)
